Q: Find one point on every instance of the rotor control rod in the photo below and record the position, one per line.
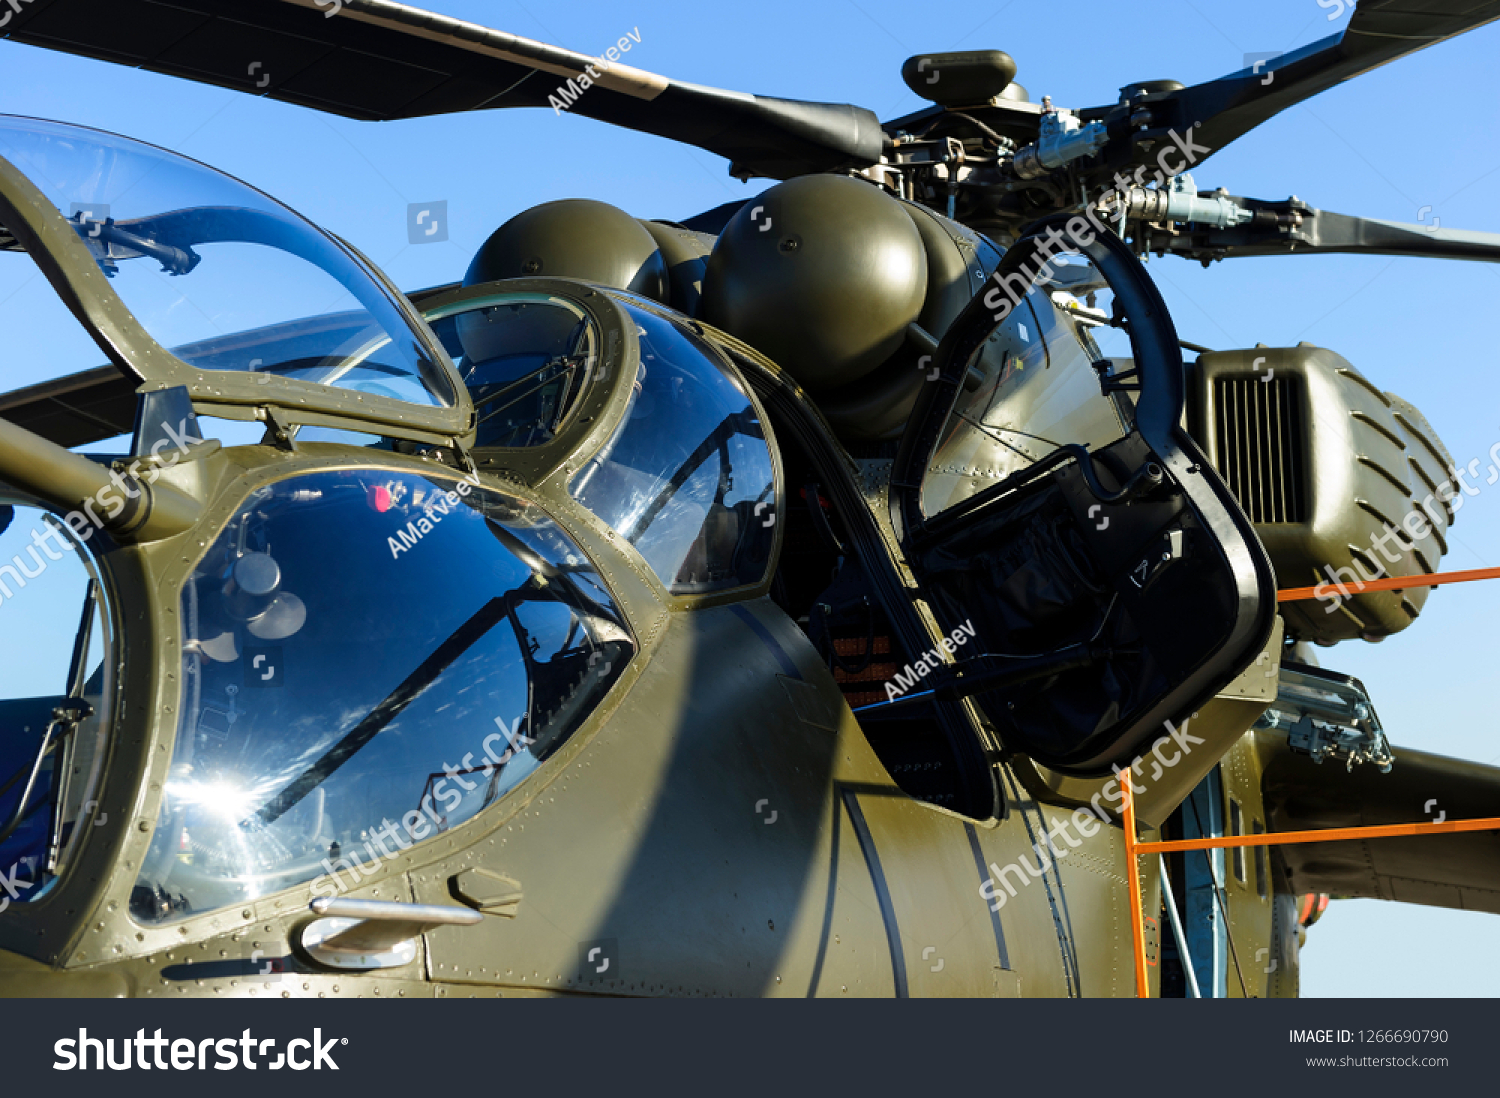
(1063, 139)
(1180, 202)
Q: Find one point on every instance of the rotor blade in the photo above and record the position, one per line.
(81, 408)
(378, 61)
(1455, 871)
(1221, 110)
(1295, 228)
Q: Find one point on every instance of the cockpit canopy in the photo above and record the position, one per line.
(685, 473)
(369, 657)
(524, 358)
(185, 275)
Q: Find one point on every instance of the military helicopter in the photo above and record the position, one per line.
(757, 604)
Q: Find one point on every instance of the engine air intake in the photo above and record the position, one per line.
(1262, 452)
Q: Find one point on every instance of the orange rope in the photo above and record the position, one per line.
(1322, 835)
(1134, 849)
(1390, 583)
(1133, 873)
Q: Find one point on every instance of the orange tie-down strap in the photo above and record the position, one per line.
(1331, 589)
(1134, 849)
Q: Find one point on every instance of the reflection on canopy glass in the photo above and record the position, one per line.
(524, 360)
(57, 648)
(369, 658)
(1034, 385)
(199, 257)
(687, 478)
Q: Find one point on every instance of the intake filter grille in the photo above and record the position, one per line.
(1261, 452)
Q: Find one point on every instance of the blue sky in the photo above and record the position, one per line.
(1419, 133)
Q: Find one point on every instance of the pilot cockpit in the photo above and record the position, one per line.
(686, 475)
(524, 360)
(369, 658)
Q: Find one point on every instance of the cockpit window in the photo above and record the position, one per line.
(369, 658)
(524, 359)
(687, 478)
(199, 258)
(56, 691)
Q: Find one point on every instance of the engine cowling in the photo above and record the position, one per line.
(1344, 483)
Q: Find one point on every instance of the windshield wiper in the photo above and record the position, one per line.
(69, 715)
(72, 710)
(103, 237)
(444, 656)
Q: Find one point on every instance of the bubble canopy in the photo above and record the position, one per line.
(244, 295)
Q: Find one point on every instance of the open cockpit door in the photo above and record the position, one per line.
(1050, 502)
